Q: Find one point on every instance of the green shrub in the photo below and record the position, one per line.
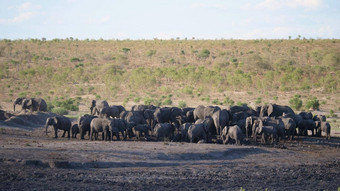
(74, 59)
(275, 98)
(239, 103)
(167, 101)
(258, 100)
(150, 53)
(148, 100)
(204, 54)
(296, 102)
(59, 111)
(126, 50)
(67, 104)
(182, 104)
(312, 103)
(217, 102)
(228, 101)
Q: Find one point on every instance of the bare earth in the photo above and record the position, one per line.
(32, 161)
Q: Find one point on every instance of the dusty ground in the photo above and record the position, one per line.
(29, 160)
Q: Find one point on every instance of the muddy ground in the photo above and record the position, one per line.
(30, 160)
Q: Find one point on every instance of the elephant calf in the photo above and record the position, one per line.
(196, 132)
(233, 132)
(141, 130)
(164, 130)
(326, 128)
(74, 130)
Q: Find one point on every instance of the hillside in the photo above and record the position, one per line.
(171, 72)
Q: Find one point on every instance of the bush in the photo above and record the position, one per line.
(59, 111)
(182, 104)
(312, 103)
(67, 104)
(296, 102)
(204, 54)
(239, 103)
(74, 59)
(228, 101)
(151, 53)
(148, 100)
(258, 100)
(167, 101)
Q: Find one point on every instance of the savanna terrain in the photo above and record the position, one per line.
(69, 73)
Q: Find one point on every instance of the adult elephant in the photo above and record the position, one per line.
(305, 125)
(59, 122)
(273, 110)
(17, 101)
(221, 119)
(34, 104)
(168, 115)
(134, 117)
(84, 124)
(98, 106)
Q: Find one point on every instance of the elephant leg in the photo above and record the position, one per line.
(68, 133)
(55, 132)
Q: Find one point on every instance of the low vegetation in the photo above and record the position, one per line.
(194, 71)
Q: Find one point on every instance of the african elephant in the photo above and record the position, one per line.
(184, 131)
(141, 130)
(97, 107)
(135, 117)
(249, 124)
(267, 131)
(149, 117)
(197, 132)
(103, 125)
(111, 111)
(84, 124)
(221, 119)
(74, 130)
(306, 115)
(290, 127)
(273, 110)
(164, 130)
(34, 104)
(326, 128)
(59, 122)
(209, 122)
(142, 108)
(233, 132)
(122, 126)
(305, 125)
(17, 101)
(319, 118)
(168, 115)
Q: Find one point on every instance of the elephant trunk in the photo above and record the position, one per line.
(14, 107)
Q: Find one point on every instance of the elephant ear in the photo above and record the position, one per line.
(55, 119)
(270, 109)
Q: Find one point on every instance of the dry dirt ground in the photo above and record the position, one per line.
(30, 160)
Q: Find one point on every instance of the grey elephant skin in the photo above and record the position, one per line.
(32, 104)
(84, 124)
(74, 130)
(141, 130)
(106, 127)
(164, 130)
(59, 122)
(98, 106)
(273, 110)
(326, 128)
(197, 132)
(234, 133)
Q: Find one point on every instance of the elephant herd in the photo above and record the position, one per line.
(237, 124)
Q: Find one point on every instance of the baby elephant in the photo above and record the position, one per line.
(141, 130)
(74, 130)
(106, 126)
(326, 128)
(164, 130)
(267, 131)
(233, 132)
